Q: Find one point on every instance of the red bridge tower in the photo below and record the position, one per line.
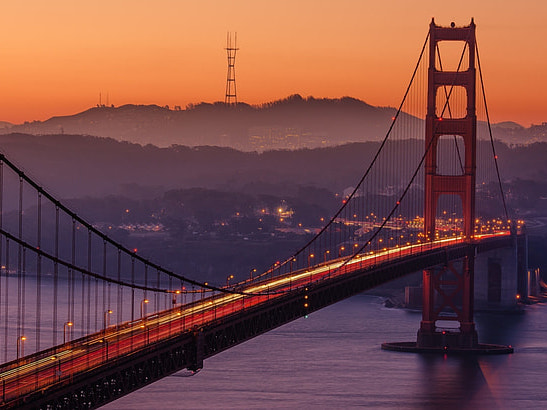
(449, 283)
(448, 290)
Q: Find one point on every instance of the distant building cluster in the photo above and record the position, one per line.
(268, 138)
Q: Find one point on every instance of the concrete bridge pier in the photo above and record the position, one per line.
(500, 282)
(501, 277)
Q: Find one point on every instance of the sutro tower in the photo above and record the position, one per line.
(231, 49)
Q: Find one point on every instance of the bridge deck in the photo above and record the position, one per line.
(103, 366)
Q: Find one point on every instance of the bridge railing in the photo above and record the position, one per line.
(376, 250)
(58, 364)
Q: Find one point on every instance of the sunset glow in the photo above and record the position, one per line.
(58, 56)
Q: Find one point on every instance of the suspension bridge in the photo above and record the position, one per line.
(86, 320)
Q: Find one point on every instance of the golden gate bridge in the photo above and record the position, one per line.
(86, 320)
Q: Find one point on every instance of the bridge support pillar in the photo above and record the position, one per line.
(442, 290)
(500, 273)
(196, 353)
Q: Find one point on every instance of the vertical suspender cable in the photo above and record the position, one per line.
(72, 278)
(156, 296)
(23, 288)
(3, 272)
(19, 262)
(82, 302)
(132, 289)
(146, 280)
(106, 304)
(6, 304)
(119, 301)
(55, 276)
(88, 327)
(38, 273)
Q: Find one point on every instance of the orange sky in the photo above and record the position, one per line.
(56, 56)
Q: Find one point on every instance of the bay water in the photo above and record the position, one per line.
(332, 360)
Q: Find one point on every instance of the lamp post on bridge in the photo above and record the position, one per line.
(310, 257)
(203, 290)
(66, 327)
(291, 262)
(251, 273)
(105, 324)
(21, 346)
(228, 280)
(174, 300)
(143, 303)
(325, 255)
(342, 249)
(106, 319)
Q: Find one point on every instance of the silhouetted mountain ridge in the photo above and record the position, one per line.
(293, 122)
(290, 123)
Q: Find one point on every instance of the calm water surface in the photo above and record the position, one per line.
(332, 359)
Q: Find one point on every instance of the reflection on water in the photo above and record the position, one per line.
(454, 382)
(333, 360)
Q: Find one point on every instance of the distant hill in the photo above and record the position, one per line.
(513, 133)
(291, 123)
(511, 125)
(294, 122)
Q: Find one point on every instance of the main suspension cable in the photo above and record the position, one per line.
(367, 172)
(411, 181)
(491, 138)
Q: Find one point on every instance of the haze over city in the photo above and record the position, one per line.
(58, 56)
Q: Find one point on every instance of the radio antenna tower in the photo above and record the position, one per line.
(231, 49)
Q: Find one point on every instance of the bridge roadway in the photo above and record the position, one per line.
(96, 369)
